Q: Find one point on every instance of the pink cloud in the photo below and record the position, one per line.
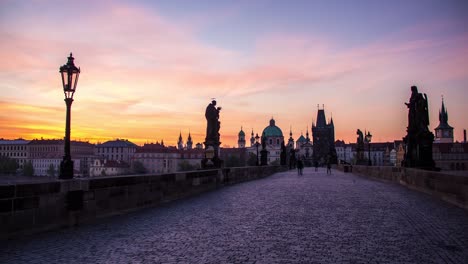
(140, 67)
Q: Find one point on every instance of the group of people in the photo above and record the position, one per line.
(300, 167)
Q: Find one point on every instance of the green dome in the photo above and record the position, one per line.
(301, 139)
(272, 130)
(241, 133)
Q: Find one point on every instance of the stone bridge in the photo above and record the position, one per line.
(284, 218)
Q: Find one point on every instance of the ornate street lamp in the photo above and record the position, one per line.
(256, 145)
(70, 74)
(368, 140)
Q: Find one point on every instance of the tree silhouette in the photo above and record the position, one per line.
(51, 170)
(28, 169)
(8, 165)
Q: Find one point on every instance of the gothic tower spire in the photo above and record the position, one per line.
(180, 142)
(443, 132)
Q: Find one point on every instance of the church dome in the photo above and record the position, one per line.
(301, 139)
(241, 133)
(272, 130)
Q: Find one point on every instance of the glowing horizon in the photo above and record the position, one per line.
(149, 69)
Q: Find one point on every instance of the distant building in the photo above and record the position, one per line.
(443, 132)
(300, 141)
(324, 139)
(192, 157)
(381, 153)
(290, 140)
(157, 158)
(15, 149)
(189, 142)
(119, 149)
(447, 156)
(188, 145)
(305, 149)
(234, 157)
(274, 140)
(400, 152)
(180, 142)
(346, 153)
(100, 167)
(241, 139)
(451, 156)
(252, 139)
(44, 152)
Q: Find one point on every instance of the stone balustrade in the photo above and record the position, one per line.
(450, 188)
(27, 208)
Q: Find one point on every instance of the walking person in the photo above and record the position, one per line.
(316, 165)
(300, 166)
(328, 167)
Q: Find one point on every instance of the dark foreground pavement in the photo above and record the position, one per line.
(285, 218)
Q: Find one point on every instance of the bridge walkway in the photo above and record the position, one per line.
(284, 218)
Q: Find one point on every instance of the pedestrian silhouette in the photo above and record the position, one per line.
(300, 166)
(328, 167)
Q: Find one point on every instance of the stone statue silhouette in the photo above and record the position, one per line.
(360, 138)
(418, 114)
(213, 123)
(418, 140)
(360, 148)
(212, 142)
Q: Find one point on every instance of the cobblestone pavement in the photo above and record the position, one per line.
(285, 218)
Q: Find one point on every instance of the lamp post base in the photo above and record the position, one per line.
(66, 169)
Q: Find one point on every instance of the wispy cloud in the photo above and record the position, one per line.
(147, 77)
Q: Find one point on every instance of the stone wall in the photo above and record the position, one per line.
(27, 208)
(450, 188)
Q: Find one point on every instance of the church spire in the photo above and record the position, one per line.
(290, 140)
(189, 141)
(252, 139)
(241, 139)
(180, 142)
(444, 132)
(443, 115)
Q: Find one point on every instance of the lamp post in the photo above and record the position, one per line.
(70, 75)
(256, 144)
(368, 140)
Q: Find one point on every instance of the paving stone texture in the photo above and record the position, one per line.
(285, 218)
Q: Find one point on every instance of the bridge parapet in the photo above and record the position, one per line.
(450, 188)
(27, 208)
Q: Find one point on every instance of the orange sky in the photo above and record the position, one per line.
(147, 76)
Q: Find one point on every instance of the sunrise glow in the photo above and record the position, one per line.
(149, 68)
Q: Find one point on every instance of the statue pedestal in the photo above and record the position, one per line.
(419, 151)
(212, 160)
